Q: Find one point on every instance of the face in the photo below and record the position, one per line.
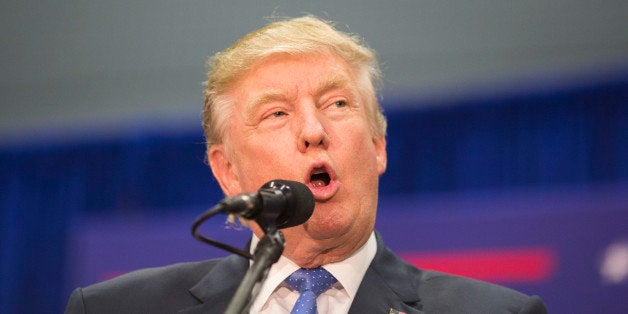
(302, 118)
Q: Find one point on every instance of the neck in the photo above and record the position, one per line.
(308, 252)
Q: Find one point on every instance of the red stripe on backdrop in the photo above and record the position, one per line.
(507, 265)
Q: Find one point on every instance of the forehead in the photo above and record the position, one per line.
(287, 73)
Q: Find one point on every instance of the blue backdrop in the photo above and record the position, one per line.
(570, 135)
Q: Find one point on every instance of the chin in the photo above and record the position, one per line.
(328, 226)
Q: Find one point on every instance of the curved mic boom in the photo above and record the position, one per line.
(277, 204)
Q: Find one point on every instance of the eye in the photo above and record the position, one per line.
(278, 114)
(340, 104)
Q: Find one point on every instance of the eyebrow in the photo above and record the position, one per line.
(266, 97)
(325, 85)
(332, 82)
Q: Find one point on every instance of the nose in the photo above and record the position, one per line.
(311, 131)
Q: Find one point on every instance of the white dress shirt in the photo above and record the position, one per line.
(276, 297)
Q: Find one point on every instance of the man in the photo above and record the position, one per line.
(296, 101)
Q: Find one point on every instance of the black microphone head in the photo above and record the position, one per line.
(299, 202)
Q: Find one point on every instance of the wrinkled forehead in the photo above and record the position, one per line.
(322, 58)
(280, 74)
(321, 66)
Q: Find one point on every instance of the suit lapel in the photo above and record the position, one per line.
(217, 288)
(389, 284)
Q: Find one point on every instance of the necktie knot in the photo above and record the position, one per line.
(309, 283)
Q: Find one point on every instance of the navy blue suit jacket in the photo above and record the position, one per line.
(390, 285)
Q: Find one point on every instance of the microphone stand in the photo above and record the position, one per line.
(275, 197)
(266, 253)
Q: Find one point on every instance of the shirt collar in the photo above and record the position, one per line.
(349, 272)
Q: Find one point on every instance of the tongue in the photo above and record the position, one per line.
(317, 183)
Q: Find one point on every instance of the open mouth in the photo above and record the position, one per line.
(319, 178)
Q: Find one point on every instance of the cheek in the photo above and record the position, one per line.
(360, 152)
(261, 160)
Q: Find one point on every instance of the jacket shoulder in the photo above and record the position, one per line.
(147, 290)
(444, 293)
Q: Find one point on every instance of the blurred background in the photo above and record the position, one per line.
(508, 140)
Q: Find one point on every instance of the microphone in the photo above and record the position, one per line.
(277, 204)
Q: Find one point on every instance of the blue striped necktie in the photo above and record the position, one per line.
(310, 283)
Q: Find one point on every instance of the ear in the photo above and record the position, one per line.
(380, 152)
(223, 170)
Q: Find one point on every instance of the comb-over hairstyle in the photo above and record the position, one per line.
(303, 35)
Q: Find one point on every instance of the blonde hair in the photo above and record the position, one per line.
(304, 35)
